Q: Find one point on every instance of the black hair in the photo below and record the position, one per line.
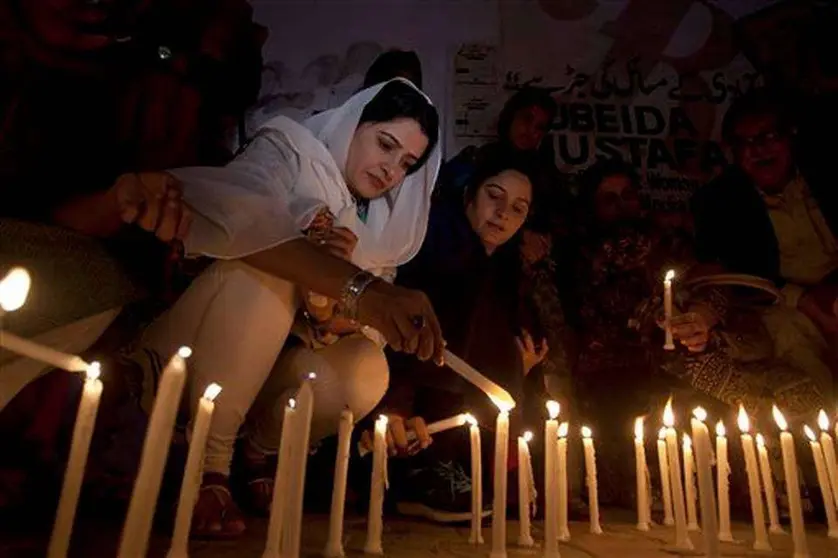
(398, 99)
(487, 167)
(761, 101)
(525, 98)
(392, 64)
(592, 177)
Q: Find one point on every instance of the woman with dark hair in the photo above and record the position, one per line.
(392, 64)
(353, 182)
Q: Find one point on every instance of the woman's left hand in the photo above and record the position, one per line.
(532, 354)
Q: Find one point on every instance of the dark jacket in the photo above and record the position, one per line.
(732, 225)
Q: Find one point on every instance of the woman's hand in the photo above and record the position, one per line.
(405, 317)
(340, 242)
(154, 202)
(404, 436)
(532, 354)
(692, 329)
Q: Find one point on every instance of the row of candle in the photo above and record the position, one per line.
(697, 462)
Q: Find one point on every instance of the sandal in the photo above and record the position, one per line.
(253, 476)
(216, 514)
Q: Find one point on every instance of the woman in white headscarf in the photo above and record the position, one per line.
(355, 182)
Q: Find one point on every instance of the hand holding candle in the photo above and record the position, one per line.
(760, 533)
(798, 528)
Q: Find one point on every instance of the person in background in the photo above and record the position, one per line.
(774, 214)
(469, 266)
(392, 64)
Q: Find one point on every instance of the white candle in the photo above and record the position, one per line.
(297, 459)
(823, 481)
(669, 345)
(666, 489)
(748, 448)
(476, 536)
(155, 451)
(375, 521)
(334, 543)
(499, 396)
(499, 503)
(706, 492)
(563, 529)
(551, 479)
(525, 489)
(723, 482)
(828, 447)
(644, 517)
(279, 499)
(446, 424)
(30, 349)
(682, 537)
(689, 484)
(590, 470)
(14, 288)
(191, 482)
(768, 485)
(74, 475)
(798, 529)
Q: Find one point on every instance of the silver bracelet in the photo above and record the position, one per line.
(351, 293)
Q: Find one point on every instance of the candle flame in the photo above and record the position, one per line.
(184, 352)
(553, 409)
(383, 419)
(312, 376)
(742, 420)
(700, 413)
(720, 429)
(212, 392)
(779, 418)
(809, 433)
(469, 418)
(688, 443)
(670, 275)
(563, 429)
(502, 405)
(292, 403)
(760, 440)
(668, 415)
(14, 288)
(528, 436)
(662, 433)
(638, 428)
(586, 432)
(94, 370)
(823, 420)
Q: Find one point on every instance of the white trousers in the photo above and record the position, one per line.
(237, 320)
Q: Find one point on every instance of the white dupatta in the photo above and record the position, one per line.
(270, 193)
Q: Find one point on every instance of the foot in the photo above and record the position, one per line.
(216, 514)
(442, 494)
(254, 472)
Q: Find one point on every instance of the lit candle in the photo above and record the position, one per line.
(798, 529)
(334, 542)
(666, 490)
(551, 478)
(669, 345)
(706, 493)
(375, 520)
(30, 349)
(563, 529)
(297, 459)
(476, 536)
(590, 470)
(823, 481)
(499, 503)
(497, 394)
(191, 482)
(748, 448)
(525, 490)
(643, 510)
(14, 289)
(74, 474)
(768, 485)
(279, 500)
(829, 454)
(434, 428)
(723, 482)
(682, 537)
(689, 484)
(155, 451)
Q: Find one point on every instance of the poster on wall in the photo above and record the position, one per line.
(632, 80)
(476, 94)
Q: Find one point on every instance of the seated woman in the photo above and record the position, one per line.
(469, 266)
(724, 355)
(357, 180)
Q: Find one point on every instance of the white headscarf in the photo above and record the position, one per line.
(272, 191)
